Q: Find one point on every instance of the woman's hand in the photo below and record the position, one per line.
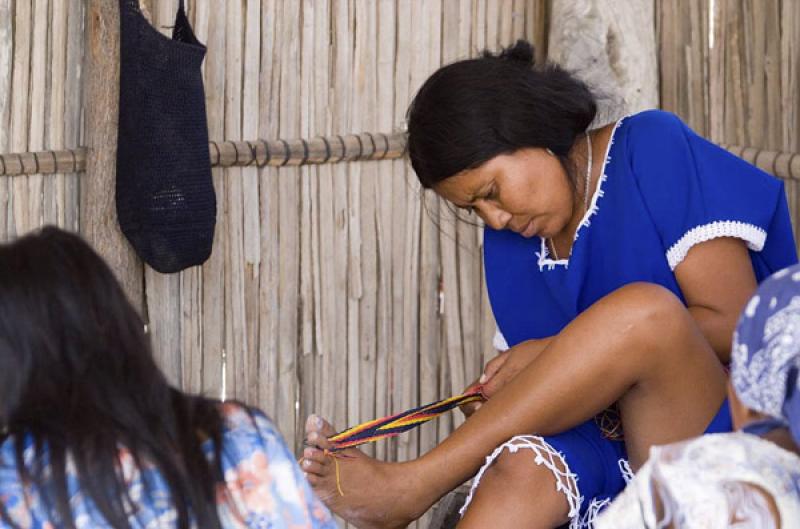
(502, 368)
(492, 366)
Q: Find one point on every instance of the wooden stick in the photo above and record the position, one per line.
(785, 165)
(98, 217)
(43, 162)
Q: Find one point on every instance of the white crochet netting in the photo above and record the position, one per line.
(543, 254)
(751, 234)
(544, 454)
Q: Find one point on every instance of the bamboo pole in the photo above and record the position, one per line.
(286, 230)
(76, 13)
(55, 188)
(37, 115)
(269, 303)
(251, 233)
(308, 359)
(192, 280)
(258, 153)
(6, 55)
(323, 244)
(782, 164)
(233, 209)
(163, 291)
(98, 218)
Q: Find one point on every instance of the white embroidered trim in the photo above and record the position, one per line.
(546, 455)
(749, 233)
(499, 342)
(543, 254)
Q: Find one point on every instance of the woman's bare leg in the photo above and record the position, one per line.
(638, 346)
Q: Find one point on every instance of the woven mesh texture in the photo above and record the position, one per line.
(165, 196)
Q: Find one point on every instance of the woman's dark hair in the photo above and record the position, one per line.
(78, 381)
(470, 111)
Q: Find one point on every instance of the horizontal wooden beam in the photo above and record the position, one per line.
(274, 153)
(320, 150)
(784, 165)
(43, 162)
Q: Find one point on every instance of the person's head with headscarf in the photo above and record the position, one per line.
(765, 369)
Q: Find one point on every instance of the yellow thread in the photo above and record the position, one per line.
(338, 481)
(336, 464)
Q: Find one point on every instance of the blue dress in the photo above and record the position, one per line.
(663, 189)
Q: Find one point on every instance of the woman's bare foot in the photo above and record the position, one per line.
(377, 495)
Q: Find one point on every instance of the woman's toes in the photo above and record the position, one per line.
(317, 432)
(319, 440)
(312, 468)
(315, 423)
(314, 479)
(317, 456)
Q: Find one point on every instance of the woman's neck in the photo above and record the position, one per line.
(600, 138)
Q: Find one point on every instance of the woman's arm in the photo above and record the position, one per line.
(717, 279)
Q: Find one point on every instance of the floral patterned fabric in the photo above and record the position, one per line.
(266, 487)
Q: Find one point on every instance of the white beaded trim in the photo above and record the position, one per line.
(544, 260)
(545, 454)
(749, 233)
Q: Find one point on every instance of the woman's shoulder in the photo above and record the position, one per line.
(656, 130)
(243, 424)
(654, 120)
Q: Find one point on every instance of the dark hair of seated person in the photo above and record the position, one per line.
(78, 381)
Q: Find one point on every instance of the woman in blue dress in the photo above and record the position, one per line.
(617, 261)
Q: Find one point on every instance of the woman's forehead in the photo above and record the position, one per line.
(464, 186)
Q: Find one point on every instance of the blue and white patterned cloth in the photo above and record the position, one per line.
(266, 486)
(766, 350)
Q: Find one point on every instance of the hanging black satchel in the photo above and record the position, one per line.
(165, 196)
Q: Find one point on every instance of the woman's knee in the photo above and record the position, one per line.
(517, 477)
(650, 307)
(529, 465)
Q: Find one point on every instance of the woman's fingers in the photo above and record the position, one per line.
(470, 408)
(506, 371)
(493, 366)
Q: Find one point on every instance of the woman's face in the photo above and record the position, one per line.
(526, 191)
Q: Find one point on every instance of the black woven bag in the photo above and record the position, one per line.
(165, 197)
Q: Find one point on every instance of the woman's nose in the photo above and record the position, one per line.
(495, 217)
